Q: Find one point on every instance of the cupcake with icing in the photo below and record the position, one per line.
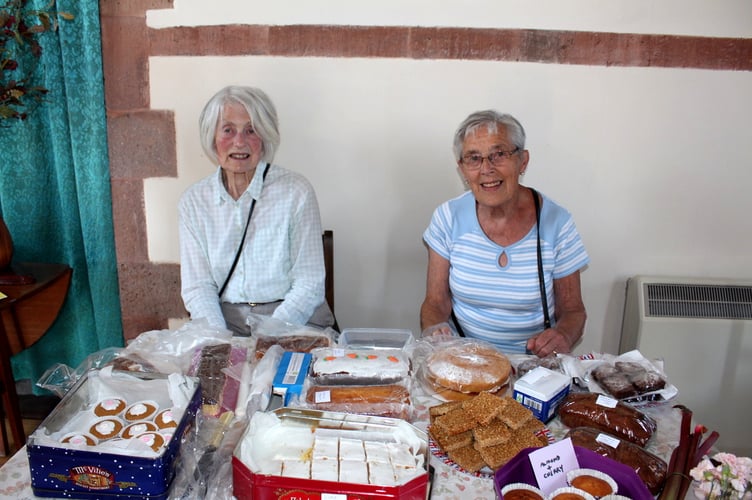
(106, 428)
(165, 420)
(521, 491)
(79, 439)
(110, 407)
(152, 439)
(136, 428)
(597, 483)
(142, 410)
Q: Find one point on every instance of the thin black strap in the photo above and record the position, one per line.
(242, 240)
(544, 300)
(457, 325)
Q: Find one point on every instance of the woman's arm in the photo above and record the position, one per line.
(307, 273)
(570, 319)
(437, 305)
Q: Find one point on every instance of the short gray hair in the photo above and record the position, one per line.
(491, 120)
(259, 107)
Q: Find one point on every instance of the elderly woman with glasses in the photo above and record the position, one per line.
(504, 261)
(250, 232)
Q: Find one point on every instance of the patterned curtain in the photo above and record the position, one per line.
(55, 192)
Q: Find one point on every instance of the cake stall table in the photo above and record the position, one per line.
(449, 483)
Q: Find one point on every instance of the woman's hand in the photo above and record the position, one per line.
(439, 330)
(548, 342)
(570, 319)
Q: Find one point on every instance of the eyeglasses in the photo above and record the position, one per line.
(495, 158)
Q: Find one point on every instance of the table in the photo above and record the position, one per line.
(449, 483)
(26, 314)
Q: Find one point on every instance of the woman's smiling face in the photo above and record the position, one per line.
(491, 185)
(239, 148)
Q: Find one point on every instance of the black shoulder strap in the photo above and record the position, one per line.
(242, 240)
(544, 300)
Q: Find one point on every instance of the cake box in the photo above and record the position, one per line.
(541, 390)
(249, 485)
(291, 375)
(79, 471)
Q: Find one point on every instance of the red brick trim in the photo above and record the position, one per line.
(544, 46)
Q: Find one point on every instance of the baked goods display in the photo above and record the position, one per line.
(484, 431)
(132, 430)
(141, 410)
(122, 420)
(625, 379)
(353, 366)
(462, 368)
(597, 483)
(651, 469)
(362, 380)
(110, 407)
(530, 362)
(607, 415)
(301, 341)
(164, 419)
(154, 440)
(211, 361)
(132, 362)
(392, 400)
(78, 439)
(521, 491)
(106, 428)
(569, 493)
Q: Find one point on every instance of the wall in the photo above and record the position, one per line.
(636, 113)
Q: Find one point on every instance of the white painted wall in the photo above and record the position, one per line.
(654, 163)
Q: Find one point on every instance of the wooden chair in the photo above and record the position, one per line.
(328, 240)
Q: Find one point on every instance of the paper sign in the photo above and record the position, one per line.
(551, 464)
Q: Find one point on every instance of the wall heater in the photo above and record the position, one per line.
(702, 329)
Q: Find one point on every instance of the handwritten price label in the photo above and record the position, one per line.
(551, 464)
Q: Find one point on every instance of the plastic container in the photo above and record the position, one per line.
(519, 470)
(375, 338)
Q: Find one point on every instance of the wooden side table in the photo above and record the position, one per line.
(26, 314)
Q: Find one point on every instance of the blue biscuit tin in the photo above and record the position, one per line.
(84, 472)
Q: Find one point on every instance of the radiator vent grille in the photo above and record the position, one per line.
(665, 300)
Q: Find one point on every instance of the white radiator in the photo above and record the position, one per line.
(702, 329)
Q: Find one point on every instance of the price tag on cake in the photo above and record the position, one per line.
(551, 464)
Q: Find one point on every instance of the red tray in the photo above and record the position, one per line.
(518, 470)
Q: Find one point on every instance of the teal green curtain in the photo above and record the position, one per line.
(55, 192)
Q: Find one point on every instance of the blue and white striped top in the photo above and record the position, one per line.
(502, 305)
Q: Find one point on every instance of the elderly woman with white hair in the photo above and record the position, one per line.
(504, 261)
(250, 233)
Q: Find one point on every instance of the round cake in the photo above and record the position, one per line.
(136, 428)
(142, 410)
(468, 367)
(109, 407)
(106, 428)
(153, 439)
(79, 439)
(569, 493)
(595, 482)
(521, 491)
(164, 419)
